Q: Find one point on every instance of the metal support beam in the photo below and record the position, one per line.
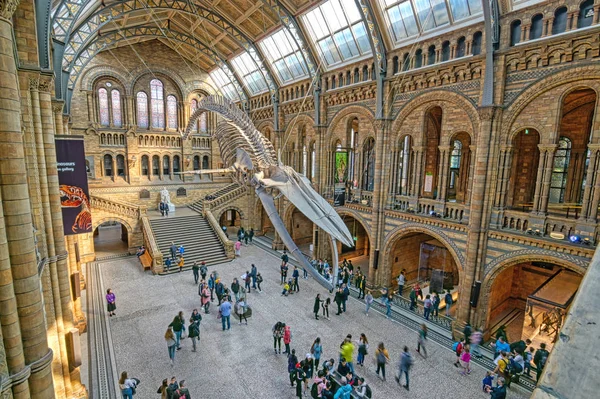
(490, 25)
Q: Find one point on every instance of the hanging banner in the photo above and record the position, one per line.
(72, 177)
(341, 175)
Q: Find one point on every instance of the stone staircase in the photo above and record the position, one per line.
(216, 197)
(196, 235)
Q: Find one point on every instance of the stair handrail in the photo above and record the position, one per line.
(234, 194)
(123, 207)
(227, 243)
(151, 246)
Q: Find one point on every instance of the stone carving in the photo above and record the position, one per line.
(8, 8)
(165, 196)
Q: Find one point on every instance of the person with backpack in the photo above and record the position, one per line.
(449, 300)
(292, 361)
(381, 357)
(182, 392)
(203, 270)
(458, 348)
(528, 359)
(363, 390)
(319, 383)
(178, 325)
(287, 338)
(540, 359)
(503, 365)
(300, 376)
(194, 328)
(344, 391)
(406, 362)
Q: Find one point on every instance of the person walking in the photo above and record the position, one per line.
(316, 351)
(406, 362)
(173, 250)
(422, 340)
(345, 295)
(381, 357)
(194, 328)
(181, 263)
(368, 301)
(278, 330)
(127, 386)
(178, 325)
(465, 360)
(448, 299)
(238, 248)
(388, 305)
(245, 238)
(259, 279)
(287, 338)
(111, 302)
(219, 289)
(295, 276)
(161, 208)
(317, 306)
(211, 285)
(168, 263)
(251, 234)
(253, 272)
(292, 362)
(361, 286)
(205, 297)
(363, 346)
(539, 359)
(182, 392)
(171, 344)
(181, 250)
(203, 270)
(476, 339)
(427, 304)
(225, 309)
(325, 305)
(285, 258)
(401, 281)
(196, 271)
(247, 280)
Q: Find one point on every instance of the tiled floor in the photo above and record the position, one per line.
(240, 363)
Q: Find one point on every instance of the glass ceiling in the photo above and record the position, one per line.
(285, 56)
(338, 32)
(224, 83)
(247, 69)
(406, 18)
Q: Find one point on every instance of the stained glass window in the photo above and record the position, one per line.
(103, 104)
(142, 110)
(116, 107)
(172, 112)
(157, 104)
(193, 108)
(203, 123)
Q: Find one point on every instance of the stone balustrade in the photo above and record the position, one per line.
(151, 246)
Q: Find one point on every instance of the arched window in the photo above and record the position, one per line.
(203, 123)
(537, 25)
(142, 110)
(120, 165)
(108, 166)
(122, 139)
(476, 45)
(431, 55)
(460, 47)
(445, 51)
(145, 166)
(365, 73)
(406, 62)
(157, 104)
(103, 138)
(368, 178)
(395, 64)
(304, 160)
(155, 165)
(455, 158)
(558, 180)
(418, 58)
(103, 105)
(205, 162)
(196, 162)
(515, 32)
(403, 162)
(176, 164)
(313, 160)
(560, 21)
(586, 14)
(166, 165)
(116, 107)
(172, 112)
(109, 139)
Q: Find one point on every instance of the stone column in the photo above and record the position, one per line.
(550, 150)
(573, 19)
(445, 166)
(525, 32)
(539, 183)
(57, 108)
(472, 150)
(503, 176)
(596, 14)
(90, 106)
(418, 170)
(19, 228)
(592, 211)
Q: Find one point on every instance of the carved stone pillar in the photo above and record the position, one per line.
(418, 168)
(596, 12)
(572, 20)
(592, 186)
(57, 109)
(90, 106)
(472, 150)
(545, 191)
(443, 172)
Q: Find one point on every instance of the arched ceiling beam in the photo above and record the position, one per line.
(111, 38)
(377, 48)
(75, 37)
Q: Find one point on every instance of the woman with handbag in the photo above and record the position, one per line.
(194, 329)
(381, 358)
(127, 385)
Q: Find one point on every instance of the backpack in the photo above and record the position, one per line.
(314, 390)
(181, 395)
(381, 357)
(515, 368)
(457, 347)
(543, 359)
(369, 392)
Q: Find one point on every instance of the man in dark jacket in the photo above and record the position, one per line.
(295, 276)
(182, 392)
(203, 270)
(253, 272)
(540, 359)
(173, 250)
(499, 392)
(338, 300)
(345, 295)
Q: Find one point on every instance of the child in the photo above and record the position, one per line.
(487, 381)
(458, 350)
(286, 289)
(528, 359)
(465, 360)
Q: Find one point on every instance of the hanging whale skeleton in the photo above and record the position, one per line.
(254, 163)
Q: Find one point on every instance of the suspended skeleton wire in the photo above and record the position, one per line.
(400, 78)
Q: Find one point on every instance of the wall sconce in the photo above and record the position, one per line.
(132, 161)
(188, 160)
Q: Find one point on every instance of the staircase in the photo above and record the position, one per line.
(195, 234)
(218, 195)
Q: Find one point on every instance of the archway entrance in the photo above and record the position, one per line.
(359, 253)
(425, 260)
(111, 237)
(232, 220)
(266, 225)
(301, 230)
(531, 300)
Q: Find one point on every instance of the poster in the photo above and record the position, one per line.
(341, 167)
(72, 178)
(339, 194)
(428, 182)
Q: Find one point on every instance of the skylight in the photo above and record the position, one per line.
(338, 31)
(406, 18)
(284, 54)
(247, 69)
(227, 87)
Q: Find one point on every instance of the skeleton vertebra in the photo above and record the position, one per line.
(248, 151)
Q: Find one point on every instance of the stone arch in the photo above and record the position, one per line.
(229, 207)
(519, 129)
(142, 70)
(366, 224)
(438, 234)
(359, 110)
(94, 73)
(198, 86)
(112, 218)
(564, 77)
(452, 136)
(433, 97)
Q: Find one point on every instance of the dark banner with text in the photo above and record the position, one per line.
(72, 177)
